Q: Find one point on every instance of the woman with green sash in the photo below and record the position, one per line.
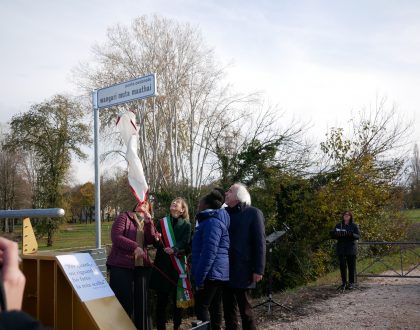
(169, 277)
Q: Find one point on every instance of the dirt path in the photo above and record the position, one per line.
(379, 303)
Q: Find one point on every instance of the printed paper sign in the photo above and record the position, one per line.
(84, 276)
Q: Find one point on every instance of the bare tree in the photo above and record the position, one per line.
(14, 192)
(414, 179)
(380, 132)
(377, 136)
(415, 165)
(193, 107)
(260, 144)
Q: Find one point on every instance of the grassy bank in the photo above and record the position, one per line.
(74, 236)
(83, 235)
(77, 235)
(70, 236)
(413, 215)
(392, 261)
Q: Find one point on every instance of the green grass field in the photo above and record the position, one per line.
(70, 237)
(413, 215)
(409, 258)
(74, 236)
(393, 261)
(83, 235)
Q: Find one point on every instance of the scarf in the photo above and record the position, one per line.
(184, 294)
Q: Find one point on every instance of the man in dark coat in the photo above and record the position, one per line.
(246, 257)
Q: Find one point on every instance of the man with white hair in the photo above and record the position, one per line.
(246, 257)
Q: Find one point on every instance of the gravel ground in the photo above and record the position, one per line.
(378, 303)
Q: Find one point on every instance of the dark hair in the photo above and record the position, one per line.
(221, 191)
(214, 199)
(349, 213)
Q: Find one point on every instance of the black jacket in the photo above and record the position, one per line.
(247, 245)
(346, 236)
(17, 320)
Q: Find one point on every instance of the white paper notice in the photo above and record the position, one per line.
(85, 276)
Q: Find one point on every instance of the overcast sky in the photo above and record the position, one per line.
(317, 60)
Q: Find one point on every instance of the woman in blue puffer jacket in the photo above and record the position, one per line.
(210, 257)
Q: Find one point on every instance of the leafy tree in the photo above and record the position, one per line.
(82, 199)
(368, 166)
(254, 153)
(87, 192)
(250, 165)
(363, 175)
(116, 195)
(305, 249)
(52, 131)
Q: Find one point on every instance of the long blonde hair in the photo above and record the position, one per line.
(186, 214)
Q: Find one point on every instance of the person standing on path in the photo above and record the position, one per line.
(246, 257)
(346, 233)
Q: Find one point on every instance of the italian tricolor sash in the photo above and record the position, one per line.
(184, 295)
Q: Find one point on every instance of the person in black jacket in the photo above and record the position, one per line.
(246, 257)
(346, 233)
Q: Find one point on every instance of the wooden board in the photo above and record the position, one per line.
(50, 298)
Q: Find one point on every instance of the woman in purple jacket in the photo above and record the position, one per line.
(131, 233)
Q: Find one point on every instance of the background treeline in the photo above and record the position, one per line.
(198, 133)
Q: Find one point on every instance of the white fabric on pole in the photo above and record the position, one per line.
(126, 124)
(129, 131)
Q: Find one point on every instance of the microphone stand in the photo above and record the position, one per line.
(270, 302)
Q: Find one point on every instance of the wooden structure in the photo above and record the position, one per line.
(50, 298)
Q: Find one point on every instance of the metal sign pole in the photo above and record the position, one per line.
(97, 169)
(127, 91)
